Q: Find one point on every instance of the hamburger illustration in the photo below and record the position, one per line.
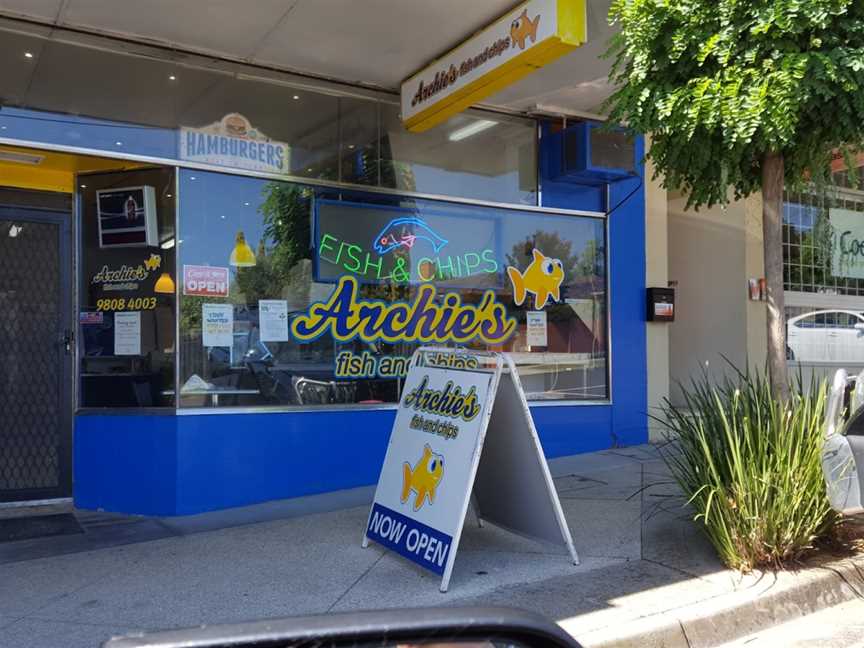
(236, 125)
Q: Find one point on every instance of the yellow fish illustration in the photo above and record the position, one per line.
(153, 262)
(522, 28)
(423, 478)
(542, 278)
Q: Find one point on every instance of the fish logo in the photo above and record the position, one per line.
(424, 478)
(153, 262)
(404, 232)
(542, 278)
(522, 28)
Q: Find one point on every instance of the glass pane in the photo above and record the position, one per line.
(251, 111)
(488, 157)
(127, 293)
(96, 99)
(258, 254)
(359, 155)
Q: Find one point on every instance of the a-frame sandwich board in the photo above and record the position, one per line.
(463, 426)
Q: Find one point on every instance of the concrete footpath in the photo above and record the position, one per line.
(647, 577)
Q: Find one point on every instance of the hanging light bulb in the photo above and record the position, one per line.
(242, 255)
(165, 284)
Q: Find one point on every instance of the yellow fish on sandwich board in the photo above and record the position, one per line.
(423, 479)
(542, 278)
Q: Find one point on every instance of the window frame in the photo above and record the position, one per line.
(193, 411)
(251, 409)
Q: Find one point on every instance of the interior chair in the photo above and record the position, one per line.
(311, 392)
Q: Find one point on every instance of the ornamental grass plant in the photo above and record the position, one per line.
(750, 467)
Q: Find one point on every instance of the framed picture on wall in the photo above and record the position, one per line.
(127, 217)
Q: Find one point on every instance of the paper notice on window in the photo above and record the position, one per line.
(127, 334)
(217, 325)
(537, 330)
(273, 320)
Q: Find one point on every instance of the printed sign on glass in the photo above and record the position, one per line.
(127, 334)
(537, 333)
(847, 259)
(217, 325)
(273, 320)
(234, 142)
(205, 281)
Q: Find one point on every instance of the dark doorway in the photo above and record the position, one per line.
(36, 383)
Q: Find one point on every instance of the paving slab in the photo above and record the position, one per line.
(7, 620)
(279, 568)
(607, 484)
(38, 632)
(601, 528)
(648, 575)
(591, 462)
(26, 587)
(392, 583)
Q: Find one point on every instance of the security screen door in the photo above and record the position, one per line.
(35, 354)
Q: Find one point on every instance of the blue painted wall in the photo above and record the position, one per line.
(177, 465)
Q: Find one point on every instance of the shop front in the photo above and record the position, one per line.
(244, 263)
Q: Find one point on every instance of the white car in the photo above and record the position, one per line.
(826, 336)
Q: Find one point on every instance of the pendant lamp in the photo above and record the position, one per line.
(242, 255)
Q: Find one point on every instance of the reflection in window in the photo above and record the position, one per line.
(153, 103)
(256, 254)
(487, 157)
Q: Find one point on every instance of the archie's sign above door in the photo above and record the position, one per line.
(523, 40)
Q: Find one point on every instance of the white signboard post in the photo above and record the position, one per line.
(463, 427)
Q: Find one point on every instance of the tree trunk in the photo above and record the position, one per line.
(772, 240)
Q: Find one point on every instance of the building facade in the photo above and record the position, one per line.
(213, 275)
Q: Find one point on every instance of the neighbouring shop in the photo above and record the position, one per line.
(250, 262)
(823, 263)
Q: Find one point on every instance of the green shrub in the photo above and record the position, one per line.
(751, 467)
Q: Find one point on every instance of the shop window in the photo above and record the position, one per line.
(823, 272)
(270, 271)
(823, 243)
(204, 111)
(126, 326)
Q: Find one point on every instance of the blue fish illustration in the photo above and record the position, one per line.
(404, 232)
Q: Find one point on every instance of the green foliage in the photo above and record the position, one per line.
(720, 83)
(287, 212)
(751, 468)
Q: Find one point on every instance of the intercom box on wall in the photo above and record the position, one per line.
(661, 304)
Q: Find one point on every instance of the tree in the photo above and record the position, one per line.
(740, 96)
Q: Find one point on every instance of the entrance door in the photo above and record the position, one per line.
(35, 353)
